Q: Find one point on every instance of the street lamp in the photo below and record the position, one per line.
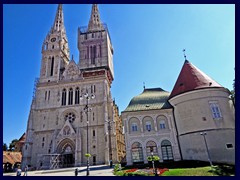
(209, 158)
(110, 145)
(87, 109)
(154, 169)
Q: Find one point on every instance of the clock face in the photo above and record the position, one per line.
(53, 39)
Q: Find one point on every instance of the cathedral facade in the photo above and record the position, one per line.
(73, 114)
(72, 108)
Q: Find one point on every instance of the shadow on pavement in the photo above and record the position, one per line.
(92, 168)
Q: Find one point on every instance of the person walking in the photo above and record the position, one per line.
(76, 171)
(19, 171)
(25, 170)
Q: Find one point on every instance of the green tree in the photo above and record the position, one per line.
(232, 95)
(12, 145)
(153, 158)
(5, 147)
(87, 155)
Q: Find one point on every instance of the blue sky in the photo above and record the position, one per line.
(148, 41)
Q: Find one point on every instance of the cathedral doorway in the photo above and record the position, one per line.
(68, 157)
(66, 149)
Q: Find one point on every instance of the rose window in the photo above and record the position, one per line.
(70, 117)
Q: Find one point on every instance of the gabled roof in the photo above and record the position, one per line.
(149, 99)
(12, 157)
(191, 78)
(22, 138)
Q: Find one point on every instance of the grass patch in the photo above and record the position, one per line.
(201, 171)
(217, 170)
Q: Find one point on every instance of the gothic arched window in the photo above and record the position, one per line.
(87, 52)
(77, 95)
(64, 97)
(52, 66)
(70, 96)
(100, 51)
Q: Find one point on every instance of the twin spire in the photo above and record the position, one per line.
(94, 24)
(59, 22)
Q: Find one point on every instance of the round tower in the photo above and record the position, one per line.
(204, 116)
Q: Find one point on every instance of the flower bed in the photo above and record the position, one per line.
(145, 172)
(131, 170)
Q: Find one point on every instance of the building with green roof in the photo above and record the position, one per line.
(149, 127)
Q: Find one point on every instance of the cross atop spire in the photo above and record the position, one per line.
(58, 22)
(184, 54)
(95, 23)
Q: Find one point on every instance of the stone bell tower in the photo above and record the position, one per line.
(55, 50)
(95, 47)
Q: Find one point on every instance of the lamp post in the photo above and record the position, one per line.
(209, 157)
(154, 169)
(87, 109)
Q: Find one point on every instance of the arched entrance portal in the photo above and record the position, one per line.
(67, 150)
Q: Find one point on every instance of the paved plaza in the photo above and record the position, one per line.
(101, 170)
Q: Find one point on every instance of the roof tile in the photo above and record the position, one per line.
(191, 78)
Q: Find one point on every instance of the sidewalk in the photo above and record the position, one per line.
(100, 170)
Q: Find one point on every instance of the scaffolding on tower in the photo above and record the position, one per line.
(35, 87)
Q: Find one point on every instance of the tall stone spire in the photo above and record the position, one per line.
(95, 23)
(55, 50)
(58, 24)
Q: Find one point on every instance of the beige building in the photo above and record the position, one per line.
(198, 125)
(121, 149)
(20, 143)
(72, 104)
(149, 126)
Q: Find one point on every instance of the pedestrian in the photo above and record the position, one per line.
(19, 171)
(76, 171)
(25, 170)
(111, 163)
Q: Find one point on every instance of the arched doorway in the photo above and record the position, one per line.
(137, 153)
(66, 149)
(68, 157)
(167, 153)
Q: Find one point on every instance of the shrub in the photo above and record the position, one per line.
(117, 167)
(153, 158)
(87, 155)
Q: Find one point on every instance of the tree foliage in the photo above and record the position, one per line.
(5, 147)
(153, 158)
(232, 95)
(12, 145)
(87, 155)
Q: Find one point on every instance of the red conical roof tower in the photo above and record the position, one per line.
(191, 78)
